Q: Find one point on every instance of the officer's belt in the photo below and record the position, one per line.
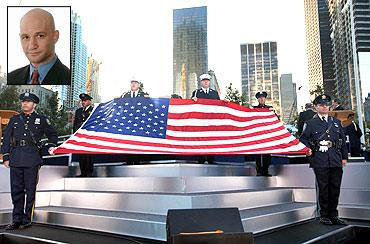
(329, 144)
(23, 143)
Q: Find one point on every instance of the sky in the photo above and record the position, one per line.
(134, 39)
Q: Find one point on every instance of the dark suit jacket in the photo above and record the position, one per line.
(303, 117)
(139, 94)
(59, 74)
(80, 117)
(199, 93)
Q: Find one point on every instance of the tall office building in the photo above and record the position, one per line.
(289, 100)
(79, 64)
(190, 49)
(341, 13)
(92, 79)
(319, 47)
(259, 69)
(213, 82)
(367, 108)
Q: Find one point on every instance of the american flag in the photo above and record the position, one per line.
(181, 126)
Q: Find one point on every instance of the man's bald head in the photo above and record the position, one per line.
(41, 15)
(38, 36)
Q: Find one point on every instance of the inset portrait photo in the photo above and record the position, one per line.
(39, 45)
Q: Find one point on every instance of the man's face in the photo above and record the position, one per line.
(28, 106)
(134, 86)
(205, 83)
(261, 100)
(38, 38)
(322, 108)
(86, 103)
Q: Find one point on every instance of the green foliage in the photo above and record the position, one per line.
(318, 91)
(9, 98)
(233, 95)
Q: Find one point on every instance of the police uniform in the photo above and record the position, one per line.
(205, 93)
(327, 142)
(263, 161)
(21, 147)
(81, 115)
(133, 94)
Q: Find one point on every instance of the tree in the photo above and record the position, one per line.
(141, 87)
(9, 98)
(318, 91)
(233, 95)
(58, 116)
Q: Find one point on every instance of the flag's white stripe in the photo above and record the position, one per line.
(222, 133)
(203, 108)
(231, 148)
(218, 122)
(271, 136)
(293, 148)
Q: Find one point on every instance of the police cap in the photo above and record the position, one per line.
(84, 96)
(27, 96)
(261, 94)
(204, 77)
(322, 99)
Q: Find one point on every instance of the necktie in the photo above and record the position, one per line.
(35, 77)
(324, 119)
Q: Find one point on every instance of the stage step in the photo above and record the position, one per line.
(153, 226)
(192, 184)
(265, 218)
(160, 203)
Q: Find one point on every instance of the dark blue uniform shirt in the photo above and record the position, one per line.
(19, 147)
(316, 130)
(212, 94)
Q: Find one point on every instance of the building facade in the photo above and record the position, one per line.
(289, 100)
(79, 64)
(321, 72)
(190, 49)
(259, 70)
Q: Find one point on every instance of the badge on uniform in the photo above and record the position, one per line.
(336, 125)
(37, 121)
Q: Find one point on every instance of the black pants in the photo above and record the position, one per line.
(133, 159)
(263, 162)
(23, 183)
(86, 164)
(328, 181)
(209, 158)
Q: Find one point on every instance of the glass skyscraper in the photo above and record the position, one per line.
(259, 69)
(79, 64)
(289, 100)
(319, 47)
(190, 49)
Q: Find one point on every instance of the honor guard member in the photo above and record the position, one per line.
(263, 161)
(134, 91)
(206, 93)
(21, 152)
(81, 115)
(324, 136)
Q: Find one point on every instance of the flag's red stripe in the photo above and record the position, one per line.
(200, 115)
(217, 127)
(218, 138)
(256, 151)
(221, 103)
(194, 146)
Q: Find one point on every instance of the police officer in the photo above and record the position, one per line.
(21, 152)
(134, 91)
(324, 136)
(81, 115)
(206, 93)
(263, 161)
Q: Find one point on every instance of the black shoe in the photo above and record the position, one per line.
(12, 226)
(325, 221)
(26, 225)
(337, 221)
(267, 175)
